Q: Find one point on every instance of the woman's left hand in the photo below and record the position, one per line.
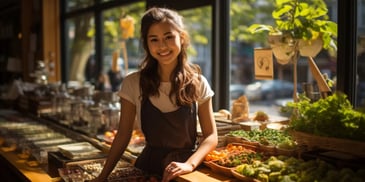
(175, 169)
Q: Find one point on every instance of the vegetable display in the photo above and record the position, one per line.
(285, 169)
(269, 137)
(332, 116)
(232, 155)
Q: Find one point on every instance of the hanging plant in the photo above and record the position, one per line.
(300, 24)
(302, 28)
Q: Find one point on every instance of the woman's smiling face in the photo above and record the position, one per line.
(164, 43)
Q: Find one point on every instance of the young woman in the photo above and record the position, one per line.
(167, 97)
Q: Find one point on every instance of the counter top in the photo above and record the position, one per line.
(25, 172)
(40, 174)
(205, 174)
(29, 173)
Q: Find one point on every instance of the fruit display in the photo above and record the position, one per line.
(284, 168)
(250, 163)
(227, 151)
(239, 158)
(224, 159)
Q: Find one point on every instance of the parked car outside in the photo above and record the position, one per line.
(236, 90)
(269, 90)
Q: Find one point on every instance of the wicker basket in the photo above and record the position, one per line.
(311, 141)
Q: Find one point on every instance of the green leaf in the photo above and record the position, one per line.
(282, 12)
(281, 2)
(257, 28)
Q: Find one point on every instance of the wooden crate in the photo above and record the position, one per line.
(311, 141)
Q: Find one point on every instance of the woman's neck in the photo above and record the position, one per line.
(165, 72)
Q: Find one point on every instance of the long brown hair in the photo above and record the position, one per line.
(185, 78)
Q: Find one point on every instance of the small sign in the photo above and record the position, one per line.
(264, 67)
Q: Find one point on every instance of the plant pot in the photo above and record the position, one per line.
(282, 50)
(310, 48)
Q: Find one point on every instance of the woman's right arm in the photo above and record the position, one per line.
(121, 140)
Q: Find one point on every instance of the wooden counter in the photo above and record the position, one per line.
(16, 169)
(23, 171)
(205, 174)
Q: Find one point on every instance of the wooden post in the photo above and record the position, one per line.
(321, 82)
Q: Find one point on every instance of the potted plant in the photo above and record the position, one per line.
(302, 28)
(298, 25)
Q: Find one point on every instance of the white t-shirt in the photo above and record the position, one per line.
(130, 90)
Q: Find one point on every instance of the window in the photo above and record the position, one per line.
(79, 47)
(200, 17)
(83, 43)
(268, 96)
(198, 22)
(92, 35)
(126, 50)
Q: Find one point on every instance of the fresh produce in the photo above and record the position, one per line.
(229, 150)
(332, 116)
(233, 160)
(260, 116)
(216, 155)
(278, 138)
(285, 169)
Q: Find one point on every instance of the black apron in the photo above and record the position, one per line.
(169, 137)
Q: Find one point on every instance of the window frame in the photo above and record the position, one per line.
(346, 55)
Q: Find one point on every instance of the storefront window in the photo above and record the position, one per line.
(121, 43)
(268, 96)
(80, 48)
(198, 22)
